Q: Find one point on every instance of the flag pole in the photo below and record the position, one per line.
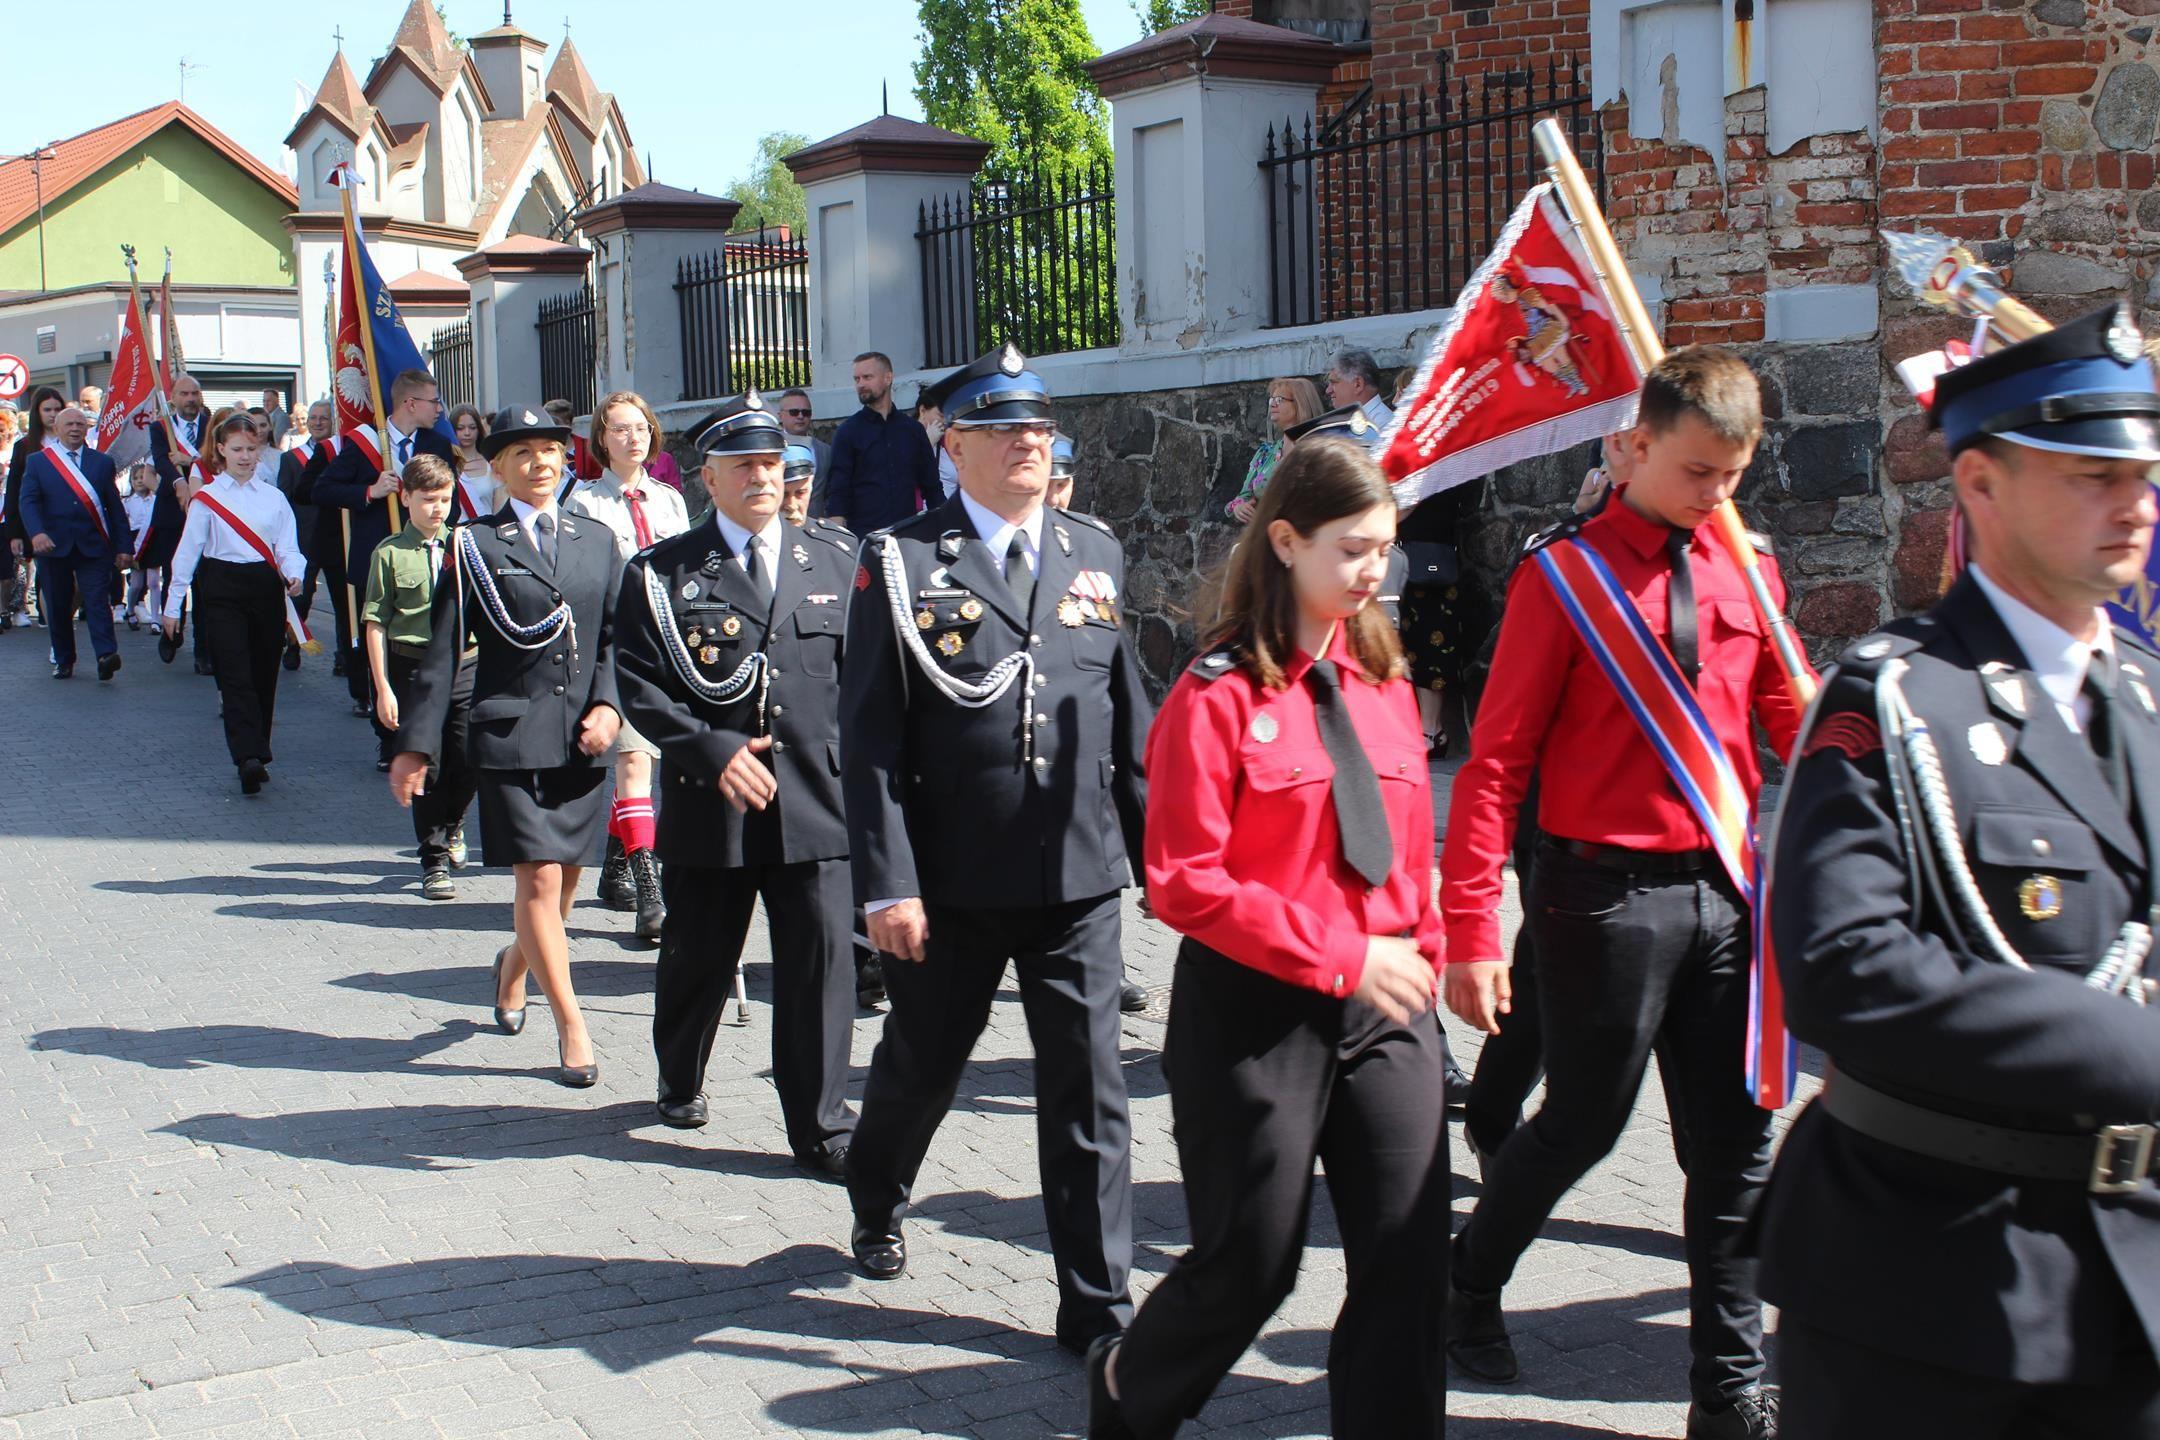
(1641, 336)
(163, 368)
(366, 327)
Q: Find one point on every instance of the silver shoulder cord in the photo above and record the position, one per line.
(752, 671)
(524, 637)
(973, 694)
(1943, 854)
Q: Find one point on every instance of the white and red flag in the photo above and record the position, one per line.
(1531, 361)
(131, 394)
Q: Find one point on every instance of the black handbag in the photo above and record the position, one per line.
(1433, 563)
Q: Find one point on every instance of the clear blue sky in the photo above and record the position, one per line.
(698, 81)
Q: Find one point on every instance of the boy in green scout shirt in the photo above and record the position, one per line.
(400, 596)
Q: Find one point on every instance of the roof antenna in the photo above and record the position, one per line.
(885, 95)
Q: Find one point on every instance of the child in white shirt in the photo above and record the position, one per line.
(143, 581)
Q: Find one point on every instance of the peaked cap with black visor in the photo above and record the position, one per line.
(740, 425)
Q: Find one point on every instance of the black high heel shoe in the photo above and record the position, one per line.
(510, 1021)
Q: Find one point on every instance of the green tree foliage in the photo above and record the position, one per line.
(1008, 72)
(769, 194)
(1156, 16)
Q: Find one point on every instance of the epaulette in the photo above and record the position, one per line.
(1213, 665)
(1102, 525)
(837, 536)
(1553, 533)
(1895, 640)
(901, 527)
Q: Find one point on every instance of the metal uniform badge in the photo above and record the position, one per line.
(2040, 897)
(1068, 612)
(2011, 691)
(924, 619)
(710, 654)
(2124, 342)
(1264, 728)
(694, 639)
(949, 644)
(689, 590)
(971, 610)
(802, 557)
(1989, 746)
(1064, 538)
(731, 627)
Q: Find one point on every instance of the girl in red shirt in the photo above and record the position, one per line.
(1290, 840)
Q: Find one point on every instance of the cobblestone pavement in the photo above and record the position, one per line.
(271, 1173)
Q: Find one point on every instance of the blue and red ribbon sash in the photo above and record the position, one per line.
(1663, 705)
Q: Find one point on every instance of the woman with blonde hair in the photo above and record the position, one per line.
(477, 493)
(1290, 841)
(639, 510)
(1289, 402)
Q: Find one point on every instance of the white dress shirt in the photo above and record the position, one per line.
(526, 514)
(262, 508)
(2057, 658)
(997, 532)
(738, 540)
(391, 436)
(607, 501)
(1379, 412)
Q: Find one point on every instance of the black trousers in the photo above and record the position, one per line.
(810, 911)
(61, 580)
(439, 809)
(241, 620)
(1629, 963)
(1838, 1389)
(1070, 966)
(1264, 1078)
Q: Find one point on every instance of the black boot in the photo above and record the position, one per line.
(617, 890)
(645, 877)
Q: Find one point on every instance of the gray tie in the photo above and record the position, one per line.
(544, 537)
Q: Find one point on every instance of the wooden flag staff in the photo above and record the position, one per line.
(1574, 189)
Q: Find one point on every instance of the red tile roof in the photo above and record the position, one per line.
(79, 157)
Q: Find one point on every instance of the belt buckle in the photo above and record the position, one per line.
(2121, 1156)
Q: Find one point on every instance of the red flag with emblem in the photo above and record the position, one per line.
(123, 426)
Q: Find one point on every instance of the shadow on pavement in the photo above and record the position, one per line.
(270, 1047)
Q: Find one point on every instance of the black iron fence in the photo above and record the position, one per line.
(568, 352)
(745, 312)
(1029, 257)
(450, 358)
(1388, 205)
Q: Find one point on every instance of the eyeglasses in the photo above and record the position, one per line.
(1019, 430)
(624, 432)
(1278, 399)
(796, 412)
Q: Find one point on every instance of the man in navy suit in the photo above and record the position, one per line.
(71, 511)
(361, 485)
(191, 418)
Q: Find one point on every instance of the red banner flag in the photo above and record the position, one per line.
(1531, 361)
(131, 395)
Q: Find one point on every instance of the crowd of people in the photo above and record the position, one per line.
(884, 686)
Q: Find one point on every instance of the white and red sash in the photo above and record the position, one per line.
(465, 509)
(142, 541)
(80, 485)
(294, 625)
(1663, 705)
(369, 442)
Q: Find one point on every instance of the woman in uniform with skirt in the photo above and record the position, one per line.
(1290, 841)
(240, 558)
(527, 599)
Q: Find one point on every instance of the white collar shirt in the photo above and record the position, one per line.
(738, 540)
(205, 535)
(607, 500)
(2057, 659)
(997, 532)
(527, 514)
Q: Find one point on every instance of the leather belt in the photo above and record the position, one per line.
(1641, 862)
(410, 651)
(2113, 1160)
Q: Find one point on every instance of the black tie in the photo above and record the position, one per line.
(1680, 604)
(1019, 575)
(760, 581)
(2101, 727)
(1366, 843)
(544, 537)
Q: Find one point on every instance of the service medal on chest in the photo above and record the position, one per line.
(949, 644)
(731, 627)
(1987, 742)
(924, 619)
(1264, 728)
(1068, 612)
(2040, 897)
(971, 610)
(695, 638)
(710, 654)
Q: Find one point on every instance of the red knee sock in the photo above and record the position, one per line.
(631, 821)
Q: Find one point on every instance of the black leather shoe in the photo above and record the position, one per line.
(829, 1163)
(291, 658)
(682, 1114)
(108, 666)
(1131, 998)
(204, 667)
(616, 889)
(882, 1254)
(1104, 1422)
(63, 672)
(651, 911)
(252, 775)
(167, 648)
(1750, 1415)
(869, 979)
(1456, 1087)
(510, 1022)
(1478, 1339)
